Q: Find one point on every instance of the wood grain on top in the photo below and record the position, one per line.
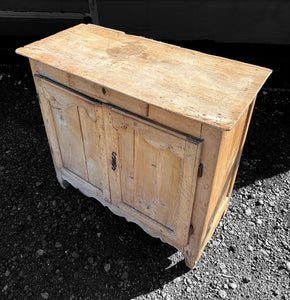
(206, 88)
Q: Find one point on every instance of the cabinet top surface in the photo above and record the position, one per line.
(206, 88)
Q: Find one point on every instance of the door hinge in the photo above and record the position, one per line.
(200, 170)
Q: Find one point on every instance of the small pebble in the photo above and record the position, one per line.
(272, 203)
(223, 294)
(75, 255)
(188, 289)
(5, 288)
(248, 212)
(246, 279)
(90, 260)
(107, 267)
(58, 245)
(40, 252)
(250, 248)
(253, 195)
(259, 222)
(263, 251)
(125, 276)
(258, 183)
(233, 285)
(288, 265)
(215, 243)
(222, 266)
(44, 295)
(232, 249)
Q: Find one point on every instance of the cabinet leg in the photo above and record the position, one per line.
(63, 183)
(189, 261)
(226, 207)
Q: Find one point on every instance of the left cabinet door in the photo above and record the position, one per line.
(75, 130)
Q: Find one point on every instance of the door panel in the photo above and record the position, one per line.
(156, 174)
(94, 147)
(70, 140)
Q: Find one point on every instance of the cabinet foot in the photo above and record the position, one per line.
(63, 183)
(190, 262)
(226, 209)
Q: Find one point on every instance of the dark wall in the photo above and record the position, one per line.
(45, 5)
(20, 18)
(230, 21)
(234, 21)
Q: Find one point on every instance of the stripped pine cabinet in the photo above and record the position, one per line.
(153, 131)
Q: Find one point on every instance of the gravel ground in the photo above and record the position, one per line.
(59, 244)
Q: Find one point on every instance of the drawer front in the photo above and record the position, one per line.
(154, 174)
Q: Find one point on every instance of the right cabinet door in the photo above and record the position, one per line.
(153, 174)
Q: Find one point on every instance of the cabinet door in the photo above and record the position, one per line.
(78, 126)
(153, 174)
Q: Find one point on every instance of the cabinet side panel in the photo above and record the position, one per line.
(214, 188)
(243, 139)
(228, 154)
(231, 148)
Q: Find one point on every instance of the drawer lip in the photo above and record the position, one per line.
(191, 138)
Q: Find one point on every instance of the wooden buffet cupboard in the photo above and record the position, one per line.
(153, 131)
